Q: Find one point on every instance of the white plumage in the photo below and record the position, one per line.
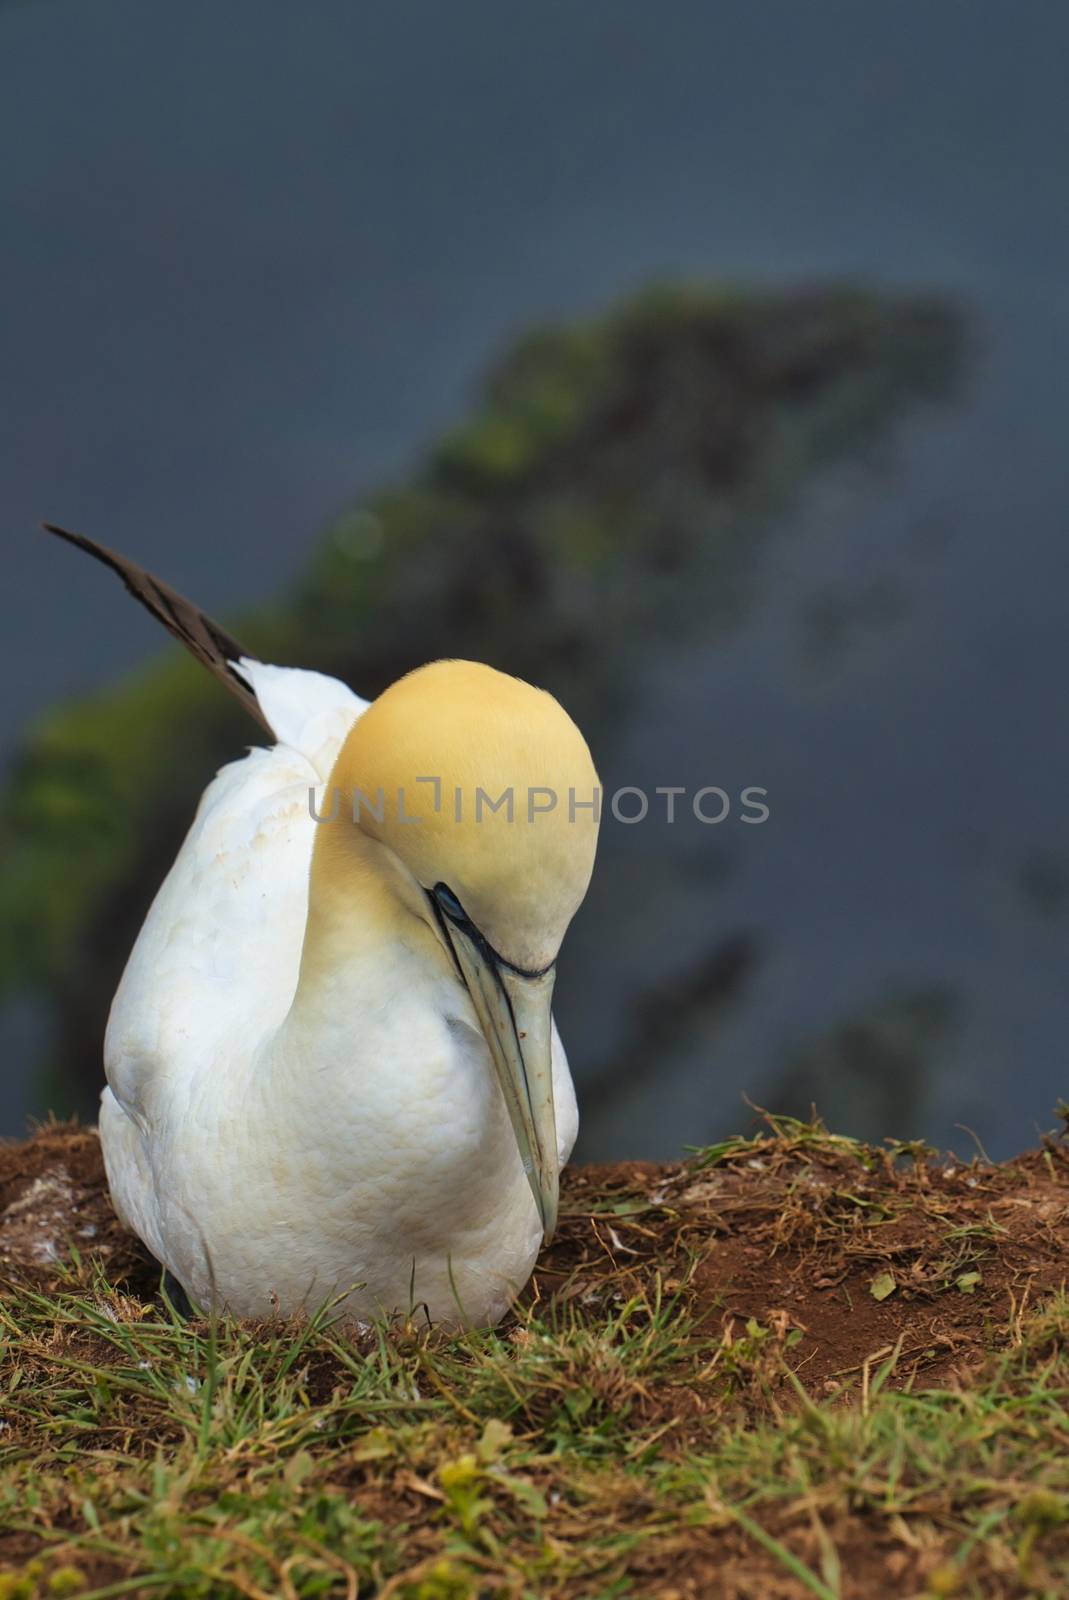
(272, 1155)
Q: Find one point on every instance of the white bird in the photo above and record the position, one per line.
(332, 1067)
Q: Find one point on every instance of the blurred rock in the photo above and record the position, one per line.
(621, 485)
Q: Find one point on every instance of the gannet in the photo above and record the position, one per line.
(332, 1068)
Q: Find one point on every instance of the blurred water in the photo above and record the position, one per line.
(255, 256)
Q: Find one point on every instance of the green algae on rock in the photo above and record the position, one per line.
(620, 483)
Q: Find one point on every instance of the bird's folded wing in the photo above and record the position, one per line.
(307, 711)
(215, 966)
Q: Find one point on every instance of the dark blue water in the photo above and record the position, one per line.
(255, 255)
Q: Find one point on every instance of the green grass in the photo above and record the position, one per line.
(607, 1442)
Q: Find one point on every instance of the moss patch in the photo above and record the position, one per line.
(706, 1391)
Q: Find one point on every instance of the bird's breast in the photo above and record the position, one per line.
(368, 1144)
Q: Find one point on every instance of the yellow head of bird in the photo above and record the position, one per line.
(483, 786)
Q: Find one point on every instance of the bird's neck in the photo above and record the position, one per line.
(367, 934)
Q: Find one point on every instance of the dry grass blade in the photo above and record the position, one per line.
(697, 1395)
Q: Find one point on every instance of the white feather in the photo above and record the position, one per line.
(271, 1176)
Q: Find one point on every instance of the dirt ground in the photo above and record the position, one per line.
(797, 1239)
(841, 1254)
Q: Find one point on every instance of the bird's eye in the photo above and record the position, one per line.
(449, 903)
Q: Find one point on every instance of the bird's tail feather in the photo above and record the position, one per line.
(205, 639)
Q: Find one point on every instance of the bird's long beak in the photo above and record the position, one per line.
(515, 1016)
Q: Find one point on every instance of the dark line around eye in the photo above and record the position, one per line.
(443, 912)
(439, 917)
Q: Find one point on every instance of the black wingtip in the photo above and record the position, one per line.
(125, 569)
(78, 539)
(192, 627)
